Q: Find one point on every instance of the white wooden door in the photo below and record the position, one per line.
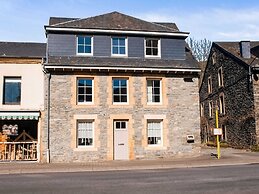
(121, 150)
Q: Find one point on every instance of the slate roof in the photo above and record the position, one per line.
(22, 49)
(233, 48)
(113, 21)
(188, 63)
(57, 20)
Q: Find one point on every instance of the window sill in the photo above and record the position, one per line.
(85, 149)
(84, 54)
(119, 56)
(152, 57)
(117, 103)
(155, 147)
(11, 104)
(85, 104)
(154, 103)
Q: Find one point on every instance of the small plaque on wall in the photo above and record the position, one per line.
(217, 131)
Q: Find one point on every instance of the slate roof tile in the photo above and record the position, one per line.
(22, 49)
(234, 49)
(113, 21)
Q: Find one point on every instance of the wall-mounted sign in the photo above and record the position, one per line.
(217, 131)
(10, 129)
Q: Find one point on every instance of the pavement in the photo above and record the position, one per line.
(205, 158)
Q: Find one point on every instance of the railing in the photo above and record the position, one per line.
(18, 151)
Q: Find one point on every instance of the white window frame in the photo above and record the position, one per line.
(209, 85)
(120, 121)
(127, 82)
(214, 58)
(85, 54)
(210, 109)
(202, 109)
(220, 77)
(221, 104)
(93, 133)
(160, 94)
(77, 91)
(161, 132)
(126, 47)
(159, 48)
(224, 132)
(8, 79)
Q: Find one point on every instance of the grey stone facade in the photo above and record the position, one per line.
(181, 113)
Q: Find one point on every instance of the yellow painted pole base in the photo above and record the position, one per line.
(218, 147)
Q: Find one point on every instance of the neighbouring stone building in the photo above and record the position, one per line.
(230, 82)
(118, 88)
(21, 100)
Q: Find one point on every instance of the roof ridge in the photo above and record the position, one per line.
(73, 20)
(22, 42)
(141, 19)
(160, 24)
(78, 19)
(129, 16)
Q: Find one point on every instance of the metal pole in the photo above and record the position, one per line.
(48, 119)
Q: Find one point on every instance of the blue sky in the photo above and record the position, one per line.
(221, 20)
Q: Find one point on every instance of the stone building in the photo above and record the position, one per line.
(230, 84)
(21, 99)
(118, 88)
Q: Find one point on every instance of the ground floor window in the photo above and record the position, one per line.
(13, 128)
(18, 139)
(85, 130)
(154, 132)
(224, 133)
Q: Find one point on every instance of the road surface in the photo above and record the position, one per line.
(224, 179)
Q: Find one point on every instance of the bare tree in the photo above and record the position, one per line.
(200, 48)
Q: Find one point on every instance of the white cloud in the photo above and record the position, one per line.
(213, 24)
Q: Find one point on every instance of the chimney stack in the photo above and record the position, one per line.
(245, 49)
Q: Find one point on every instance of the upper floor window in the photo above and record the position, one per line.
(210, 109)
(119, 46)
(85, 133)
(202, 109)
(214, 58)
(120, 90)
(209, 85)
(12, 90)
(153, 91)
(152, 47)
(220, 77)
(84, 90)
(221, 104)
(85, 45)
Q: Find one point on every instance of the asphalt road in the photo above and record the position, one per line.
(224, 179)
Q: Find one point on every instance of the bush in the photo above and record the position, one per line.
(255, 148)
(223, 144)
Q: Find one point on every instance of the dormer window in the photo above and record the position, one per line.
(119, 46)
(152, 47)
(85, 45)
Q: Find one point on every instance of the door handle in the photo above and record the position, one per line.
(121, 144)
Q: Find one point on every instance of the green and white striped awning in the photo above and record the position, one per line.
(19, 115)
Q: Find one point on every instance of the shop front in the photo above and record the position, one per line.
(19, 135)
